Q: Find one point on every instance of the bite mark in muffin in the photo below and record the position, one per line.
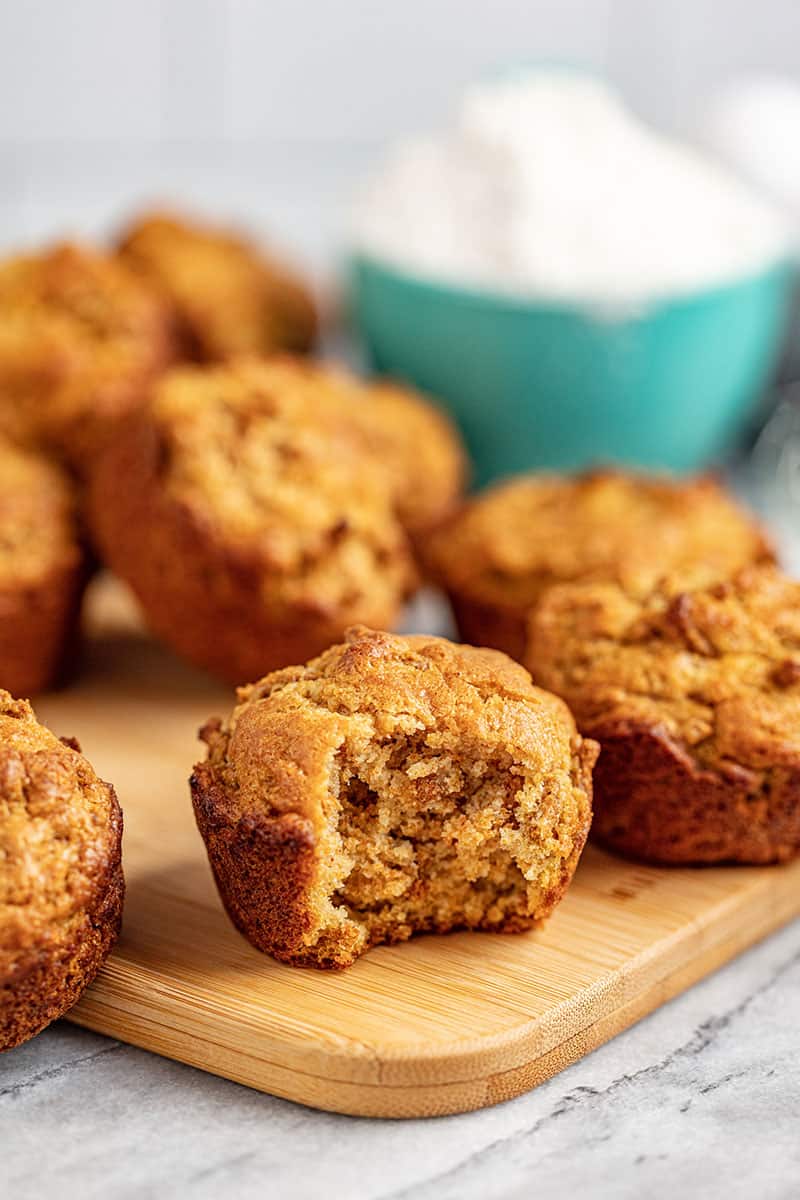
(392, 786)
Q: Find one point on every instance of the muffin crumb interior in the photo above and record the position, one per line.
(438, 788)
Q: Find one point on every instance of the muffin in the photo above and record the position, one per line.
(417, 451)
(499, 555)
(80, 340)
(392, 786)
(251, 533)
(61, 884)
(694, 697)
(229, 298)
(42, 571)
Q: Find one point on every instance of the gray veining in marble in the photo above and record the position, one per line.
(700, 1099)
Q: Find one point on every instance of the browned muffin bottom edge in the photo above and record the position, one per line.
(653, 802)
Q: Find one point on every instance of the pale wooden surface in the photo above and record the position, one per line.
(438, 1025)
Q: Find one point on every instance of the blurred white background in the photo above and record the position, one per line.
(271, 110)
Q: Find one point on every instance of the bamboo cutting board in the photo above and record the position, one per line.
(439, 1025)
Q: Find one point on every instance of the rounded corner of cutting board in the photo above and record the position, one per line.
(302, 1052)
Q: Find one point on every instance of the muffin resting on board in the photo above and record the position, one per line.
(229, 298)
(498, 556)
(393, 785)
(61, 884)
(42, 571)
(251, 533)
(81, 337)
(694, 696)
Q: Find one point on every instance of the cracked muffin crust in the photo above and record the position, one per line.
(252, 534)
(80, 339)
(43, 571)
(694, 696)
(61, 884)
(416, 450)
(229, 298)
(498, 556)
(392, 786)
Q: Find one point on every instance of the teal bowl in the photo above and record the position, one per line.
(535, 385)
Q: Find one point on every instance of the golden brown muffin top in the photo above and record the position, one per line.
(79, 334)
(231, 298)
(530, 532)
(57, 824)
(258, 468)
(38, 518)
(447, 703)
(715, 669)
(416, 451)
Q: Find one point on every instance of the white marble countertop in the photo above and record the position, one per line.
(700, 1099)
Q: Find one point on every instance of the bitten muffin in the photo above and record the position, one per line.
(418, 454)
(394, 785)
(250, 533)
(500, 554)
(80, 339)
(694, 696)
(229, 298)
(61, 884)
(42, 571)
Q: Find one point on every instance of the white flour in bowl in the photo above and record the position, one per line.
(549, 188)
